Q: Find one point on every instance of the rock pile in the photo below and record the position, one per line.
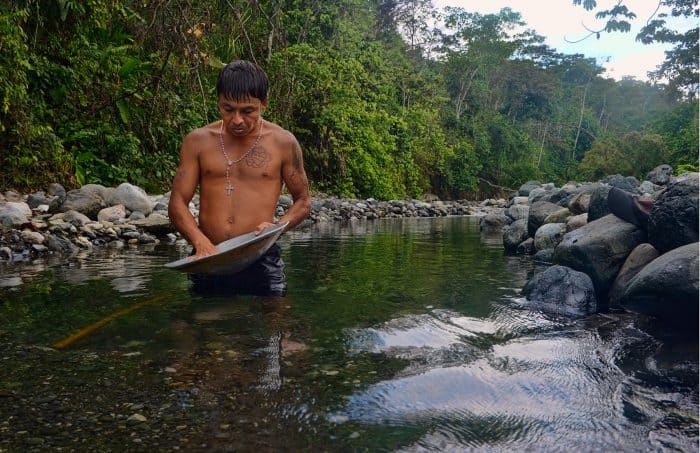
(63, 222)
(650, 270)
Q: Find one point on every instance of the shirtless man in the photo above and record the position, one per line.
(240, 163)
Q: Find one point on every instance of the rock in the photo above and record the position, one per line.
(112, 214)
(599, 249)
(32, 237)
(36, 199)
(562, 290)
(576, 221)
(549, 235)
(558, 216)
(632, 181)
(514, 234)
(520, 200)
(647, 189)
(136, 418)
(57, 190)
(544, 256)
(538, 212)
(137, 215)
(518, 211)
(5, 254)
(13, 214)
(536, 195)
(620, 182)
(39, 248)
(155, 224)
(598, 206)
(493, 222)
(667, 287)
(526, 188)
(527, 247)
(12, 196)
(98, 189)
(132, 197)
(580, 203)
(674, 215)
(87, 203)
(642, 255)
(285, 201)
(75, 218)
(60, 244)
(660, 175)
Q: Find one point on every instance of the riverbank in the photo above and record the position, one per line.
(60, 222)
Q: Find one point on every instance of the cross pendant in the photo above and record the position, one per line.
(229, 189)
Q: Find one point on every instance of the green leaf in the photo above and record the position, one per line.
(123, 111)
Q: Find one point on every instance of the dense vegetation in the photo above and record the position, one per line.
(384, 103)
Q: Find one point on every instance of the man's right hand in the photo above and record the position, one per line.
(204, 249)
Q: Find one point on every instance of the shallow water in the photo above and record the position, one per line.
(405, 335)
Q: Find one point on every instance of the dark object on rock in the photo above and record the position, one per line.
(538, 212)
(661, 175)
(598, 206)
(599, 249)
(514, 234)
(674, 215)
(629, 208)
(562, 290)
(667, 287)
(642, 255)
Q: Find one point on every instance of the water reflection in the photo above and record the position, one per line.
(405, 335)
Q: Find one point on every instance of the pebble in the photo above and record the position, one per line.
(136, 418)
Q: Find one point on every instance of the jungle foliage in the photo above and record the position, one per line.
(388, 98)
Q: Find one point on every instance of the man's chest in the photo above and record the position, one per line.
(257, 163)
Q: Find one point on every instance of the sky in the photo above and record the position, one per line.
(561, 20)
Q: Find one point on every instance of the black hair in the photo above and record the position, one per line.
(242, 79)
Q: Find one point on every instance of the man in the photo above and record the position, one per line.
(240, 163)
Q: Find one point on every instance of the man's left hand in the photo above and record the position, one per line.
(262, 226)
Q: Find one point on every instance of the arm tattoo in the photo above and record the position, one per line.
(297, 175)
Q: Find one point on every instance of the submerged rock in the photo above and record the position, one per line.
(562, 290)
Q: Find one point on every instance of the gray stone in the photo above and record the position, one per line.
(57, 190)
(12, 196)
(660, 175)
(576, 221)
(647, 188)
(642, 255)
(674, 215)
(155, 224)
(538, 212)
(558, 216)
(632, 181)
(75, 218)
(112, 214)
(13, 214)
(136, 215)
(667, 287)
(580, 203)
(598, 206)
(544, 256)
(98, 189)
(527, 247)
(514, 234)
(549, 235)
(493, 222)
(518, 211)
(561, 290)
(285, 201)
(526, 188)
(60, 244)
(599, 249)
(620, 182)
(520, 200)
(88, 203)
(36, 199)
(132, 197)
(536, 195)
(39, 248)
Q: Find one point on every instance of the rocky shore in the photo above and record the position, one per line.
(601, 262)
(62, 222)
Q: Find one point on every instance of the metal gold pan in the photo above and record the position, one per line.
(234, 255)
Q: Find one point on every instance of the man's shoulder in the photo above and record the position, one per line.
(203, 132)
(282, 136)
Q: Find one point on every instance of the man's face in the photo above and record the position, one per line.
(241, 117)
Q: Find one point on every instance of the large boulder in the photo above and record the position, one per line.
(576, 221)
(87, 202)
(674, 215)
(514, 234)
(599, 249)
(518, 211)
(660, 175)
(526, 188)
(13, 214)
(132, 197)
(562, 290)
(537, 194)
(493, 222)
(549, 235)
(667, 287)
(558, 216)
(598, 206)
(642, 255)
(538, 212)
(98, 189)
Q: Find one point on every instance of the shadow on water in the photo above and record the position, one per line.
(394, 335)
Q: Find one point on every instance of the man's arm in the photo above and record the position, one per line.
(184, 185)
(294, 178)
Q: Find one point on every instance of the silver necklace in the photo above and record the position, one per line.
(230, 162)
